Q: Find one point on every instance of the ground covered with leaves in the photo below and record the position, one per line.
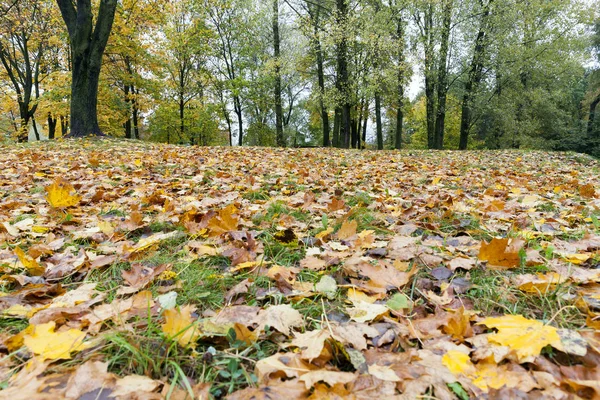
(131, 270)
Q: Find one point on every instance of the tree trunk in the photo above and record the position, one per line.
(64, 125)
(400, 79)
(51, 126)
(337, 119)
(475, 75)
(592, 116)
(35, 130)
(181, 117)
(87, 46)
(277, 56)
(442, 79)
(364, 128)
(342, 75)
(354, 131)
(379, 127)
(429, 76)
(237, 106)
(399, 117)
(321, 78)
(127, 124)
(135, 111)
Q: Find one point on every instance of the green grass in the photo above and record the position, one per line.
(493, 293)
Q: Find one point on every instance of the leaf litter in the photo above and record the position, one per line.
(151, 271)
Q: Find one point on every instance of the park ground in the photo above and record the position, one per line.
(136, 270)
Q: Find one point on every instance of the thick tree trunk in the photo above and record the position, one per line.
(51, 126)
(475, 75)
(277, 56)
(378, 124)
(337, 119)
(354, 132)
(442, 79)
(87, 47)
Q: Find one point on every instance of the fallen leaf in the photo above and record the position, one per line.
(42, 340)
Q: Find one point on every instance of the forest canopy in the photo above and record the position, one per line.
(439, 74)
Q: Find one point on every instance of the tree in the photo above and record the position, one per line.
(475, 75)
(277, 89)
(25, 33)
(88, 42)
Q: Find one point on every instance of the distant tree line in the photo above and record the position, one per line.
(438, 74)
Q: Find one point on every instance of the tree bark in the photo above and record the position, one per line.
(127, 123)
(475, 75)
(337, 119)
(277, 56)
(316, 42)
(400, 80)
(354, 132)
(135, 112)
(592, 116)
(429, 76)
(342, 76)
(365, 124)
(87, 47)
(51, 126)
(237, 107)
(442, 79)
(378, 127)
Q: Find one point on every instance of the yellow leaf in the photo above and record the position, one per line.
(225, 221)
(180, 326)
(246, 265)
(347, 230)
(526, 337)
(50, 345)
(577, 258)
(39, 229)
(61, 194)
(321, 235)
(458, 363)
(29, 262)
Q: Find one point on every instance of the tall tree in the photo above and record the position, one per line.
(475, 75)
(25, 30)
(442, 75)
(88, 42)
(277, 88)
(343, 81)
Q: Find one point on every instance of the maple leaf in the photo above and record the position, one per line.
(501, 253)
(225, 221)
(524, 336)
(347, 230)
(179, 325)
(61, 194)
(42, 340)
(29, 262)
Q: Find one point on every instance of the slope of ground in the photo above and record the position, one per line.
(132, 270)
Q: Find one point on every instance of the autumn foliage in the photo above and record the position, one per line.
(148, 271)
